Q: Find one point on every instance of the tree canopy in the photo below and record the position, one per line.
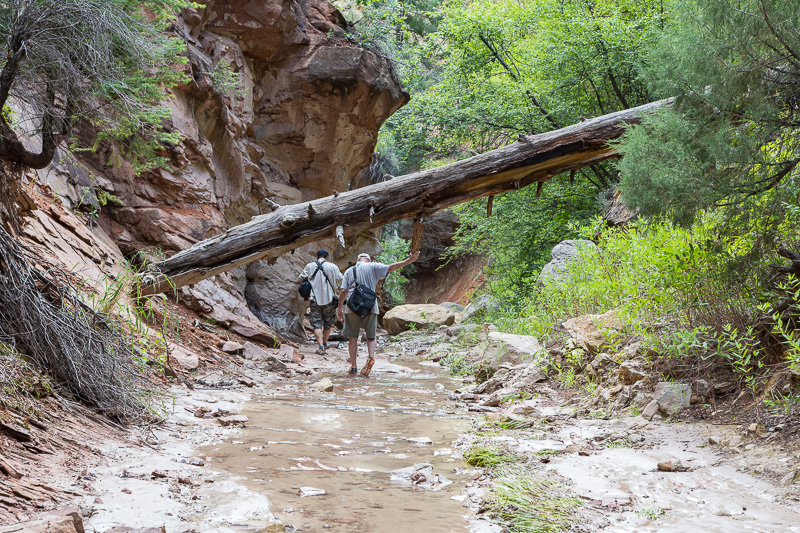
(731, 138)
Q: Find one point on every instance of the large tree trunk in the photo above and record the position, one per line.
(535, 158)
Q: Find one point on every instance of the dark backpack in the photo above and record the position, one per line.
(362, 301)
(305, 288)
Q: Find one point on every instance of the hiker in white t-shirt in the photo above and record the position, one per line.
(365, 273)
(324, 278)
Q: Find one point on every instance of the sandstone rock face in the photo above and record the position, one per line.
(562, 255)
(590, 331)
(297, 119)
(404, 317)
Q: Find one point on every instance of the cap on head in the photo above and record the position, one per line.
(364, 256)
(322, 253)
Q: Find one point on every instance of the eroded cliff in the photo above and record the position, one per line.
(281, 106)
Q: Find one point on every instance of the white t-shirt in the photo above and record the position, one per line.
(368, 274)
(322, 292)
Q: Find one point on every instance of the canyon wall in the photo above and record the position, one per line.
(280, 106)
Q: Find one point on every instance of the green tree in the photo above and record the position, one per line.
(102, 61)
(730, 140)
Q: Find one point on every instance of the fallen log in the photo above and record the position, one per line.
(533, 159)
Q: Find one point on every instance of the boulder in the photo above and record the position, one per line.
(562, 255)
(62, 521)
(181, 358)
(513, 349)
(405, 317)
(672, 397)
(591, 331)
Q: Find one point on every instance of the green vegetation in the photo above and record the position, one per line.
(489, 456)
(527, 504)
(396, 249)
(105, 62)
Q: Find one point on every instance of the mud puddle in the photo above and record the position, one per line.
(361, 444)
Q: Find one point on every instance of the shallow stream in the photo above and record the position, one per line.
(351, 443)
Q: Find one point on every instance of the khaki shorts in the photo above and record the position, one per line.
(353, 324)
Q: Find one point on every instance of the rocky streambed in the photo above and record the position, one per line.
(389, 454)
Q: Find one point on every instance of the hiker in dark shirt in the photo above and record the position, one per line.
(367, 274)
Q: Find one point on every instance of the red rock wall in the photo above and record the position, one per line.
(302, 122)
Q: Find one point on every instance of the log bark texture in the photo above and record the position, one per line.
(532, 159)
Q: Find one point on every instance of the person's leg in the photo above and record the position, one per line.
(318, 335)
(316, 319)
(370, 328)
(328, 318)
(352, 346)
(352, 326)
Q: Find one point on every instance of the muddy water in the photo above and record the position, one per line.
(348, 443)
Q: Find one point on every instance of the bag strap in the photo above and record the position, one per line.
(329, 281)
(319, 267)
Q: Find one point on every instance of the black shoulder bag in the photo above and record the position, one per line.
(362, 301)
(305, 288)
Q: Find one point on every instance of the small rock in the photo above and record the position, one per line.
(126, 491)
(325, 384)
(572, 448)
(750, 447)
(425, 441)
(671, 465)
(418, 477)
(724, 387)
(310, 491)
(235, 420)
(583, 453)
(98, 501)
(185, 481)
(650, 410)
(714, 440)
(159, 474)
(232, 347)
(632, 371)
(273, 364)
(703, 388)
(635, 439)
(247, 382)
(735, 441)
(197, 462)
